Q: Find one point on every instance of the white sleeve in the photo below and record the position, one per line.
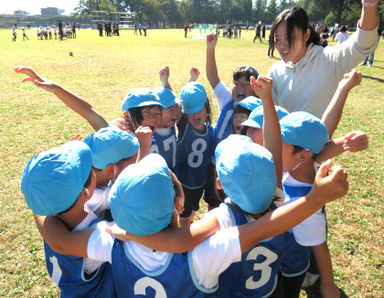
(214, 255)
(99, 202)
(100, 244)
(223, 216)
(312, 231)
(223, 95)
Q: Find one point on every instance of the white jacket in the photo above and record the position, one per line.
(310, 84)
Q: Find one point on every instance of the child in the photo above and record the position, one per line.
(241, 111)
(138, 270)
(14, 34)
(195, 149)
(55, 31)
(24, 34)
(241, 89)
(58, 182)
(38, 32)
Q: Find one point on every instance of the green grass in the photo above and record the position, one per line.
(101, 71)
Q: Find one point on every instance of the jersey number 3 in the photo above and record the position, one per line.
(143, 283)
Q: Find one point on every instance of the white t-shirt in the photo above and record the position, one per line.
(210, 258)
(99, 201)
(312, 231)
(223, 95)
(342, 36)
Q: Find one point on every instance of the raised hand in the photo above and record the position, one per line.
(262, 87)
(164, 76)
(194, 73)
(211, 40)
(351, 79)
(35, 78)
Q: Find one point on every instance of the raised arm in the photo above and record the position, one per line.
(210, 64)
(271, 126)
(164, 77)
(325, 189)
(60, 239)
(332, 114)
(368, 19)
(76, 103)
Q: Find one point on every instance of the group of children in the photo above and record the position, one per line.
(140, 178)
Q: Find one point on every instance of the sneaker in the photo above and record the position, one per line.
(309, 279)
(363, 64)
(370, 65)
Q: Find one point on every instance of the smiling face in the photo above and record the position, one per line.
(238, 118)
(298, 46)
(151, 117)
(198, 119)
(241, 88)
(170, 116)
(256, 135)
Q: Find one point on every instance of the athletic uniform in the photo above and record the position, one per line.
(224, 123)
(164, 143)
(139, 270)
(257, 273)
(195, 167)
(298, 240)
(80, 277)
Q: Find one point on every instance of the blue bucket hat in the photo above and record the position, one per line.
(140, 97)
(53, 179)
(110, 145)
(247, 173)
(304, 130)
(167, 96)
(250, 103)
(256, 117)
(142, 197)
(193, 97)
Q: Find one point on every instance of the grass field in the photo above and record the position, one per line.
(101, 71)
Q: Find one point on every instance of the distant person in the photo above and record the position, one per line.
(73, 26)
(14, 34)
(239, 31)
(372, 56)
(145, 29)
(343, 35)
(271, 47)
(140, 27)
(258, 31)
(100, 28)
(263, 32)
(185, 30)
(55, 31)
(24, 34)
(60, 25)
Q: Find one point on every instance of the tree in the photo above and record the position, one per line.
(86, 7)
(271, 11)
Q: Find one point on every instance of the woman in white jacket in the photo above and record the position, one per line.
(307, 75)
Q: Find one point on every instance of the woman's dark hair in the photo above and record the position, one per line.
(295, 17)
(245, 71)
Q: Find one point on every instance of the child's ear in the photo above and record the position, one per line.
(111, 171)
(86, 192)
(218, 184)
(304, 155)
(126, 116)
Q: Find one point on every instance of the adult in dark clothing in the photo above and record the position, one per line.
(258, 31)
(60, 26)
(263, 32)
(100, 28)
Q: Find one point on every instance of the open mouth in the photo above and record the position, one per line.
(240, 95)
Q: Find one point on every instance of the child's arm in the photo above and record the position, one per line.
(194, 73)
(326, 188)
(332, 114)
(271, 126)
(60, 239)
(144, 136)
(354, 141)
(77, 104)
(164, 77)
(328, 287)
(210, 64)
(176, 240)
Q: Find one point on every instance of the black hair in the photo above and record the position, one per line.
(295, 17)
(297, 149)
(137, 116)
(240, 109)
(245, 71)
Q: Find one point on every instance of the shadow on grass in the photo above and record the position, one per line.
(314, 291)
(374, 78)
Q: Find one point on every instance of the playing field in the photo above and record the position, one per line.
(102, 70)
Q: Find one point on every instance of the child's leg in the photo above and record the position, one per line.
(323, 259)
(292, 285)
(191, 205)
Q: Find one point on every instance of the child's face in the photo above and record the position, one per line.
(241, 89)
(290, 160)
(256, 135)
(170, 116)
(151, 117)
(198, 119)
(238, 118)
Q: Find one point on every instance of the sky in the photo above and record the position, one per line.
(33, 6)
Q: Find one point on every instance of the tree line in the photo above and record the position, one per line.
(180, 12)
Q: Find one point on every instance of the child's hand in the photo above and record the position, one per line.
(211, 40)
(194, 73)
(330, 183)
(355, 141)
(144, 135)
(118, 233)
(351, 79)
(329, 291)
(123, 124)
(164, 75)
(262, 87)
(36, 79)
